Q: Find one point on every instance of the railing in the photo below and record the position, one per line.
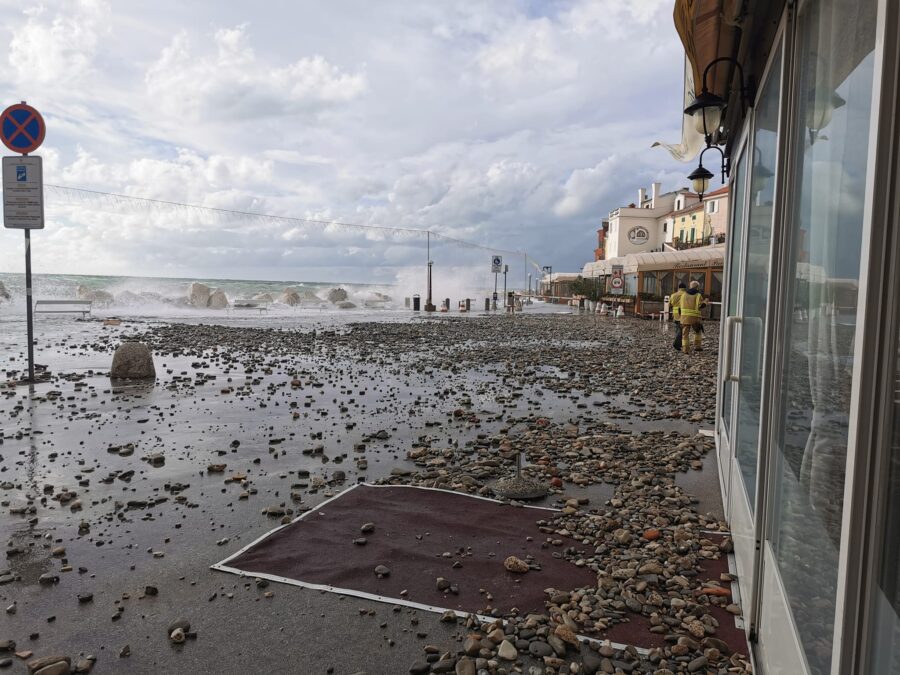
(708, 241)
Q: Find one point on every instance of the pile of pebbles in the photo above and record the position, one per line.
(645, 544)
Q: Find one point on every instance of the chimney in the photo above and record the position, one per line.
(642, 194)
(654, 193)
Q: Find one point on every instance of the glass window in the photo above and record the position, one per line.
(631, 284)
(735, 265)
(886, 659)
(701, 277)
(665, 283)
(756, 277)
(715, 293)
(649, 283)
(834, 71)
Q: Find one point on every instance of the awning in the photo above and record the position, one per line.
(702, 257)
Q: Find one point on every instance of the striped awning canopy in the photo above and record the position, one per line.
(701, 257)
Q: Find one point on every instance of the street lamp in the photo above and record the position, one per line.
(701, 176)
(548, 269)
(708, 109)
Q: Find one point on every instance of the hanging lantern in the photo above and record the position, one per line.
(700, 178)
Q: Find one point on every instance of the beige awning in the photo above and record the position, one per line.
(701, 257)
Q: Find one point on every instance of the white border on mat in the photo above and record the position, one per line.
(224, 567)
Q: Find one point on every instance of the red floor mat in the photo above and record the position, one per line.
(415, 529)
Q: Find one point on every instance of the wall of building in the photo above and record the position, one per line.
(633, 221)
(689, 225)
(718, 215)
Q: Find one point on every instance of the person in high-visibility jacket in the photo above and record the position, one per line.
(689, 307)
(675, 304)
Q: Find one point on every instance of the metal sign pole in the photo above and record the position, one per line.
(495, 291)
(28, 305)
(22, 130)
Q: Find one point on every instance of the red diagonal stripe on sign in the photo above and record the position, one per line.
(20, 128)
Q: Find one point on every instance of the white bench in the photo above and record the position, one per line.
(82, 307)
(245, 306)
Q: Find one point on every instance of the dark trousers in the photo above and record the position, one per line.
(677, 343)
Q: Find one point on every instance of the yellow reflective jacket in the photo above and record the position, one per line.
(689, 305)
(675, 304)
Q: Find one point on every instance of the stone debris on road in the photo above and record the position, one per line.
(120, 500)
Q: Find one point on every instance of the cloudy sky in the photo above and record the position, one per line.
(517, 124)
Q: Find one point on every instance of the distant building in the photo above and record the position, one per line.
(716, 207)
(558, 285)
(700, 224)
(600, 251)
(641, 227)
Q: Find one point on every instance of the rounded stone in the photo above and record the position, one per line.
(134, 361)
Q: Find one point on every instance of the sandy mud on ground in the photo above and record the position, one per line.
(118, 495)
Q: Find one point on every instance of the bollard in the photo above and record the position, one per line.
(416, 303)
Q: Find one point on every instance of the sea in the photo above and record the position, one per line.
(170, 297)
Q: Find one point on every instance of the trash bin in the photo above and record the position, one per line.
(468, 304)
(487, 304)
(416, 303)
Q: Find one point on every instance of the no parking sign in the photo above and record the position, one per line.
(22, 130)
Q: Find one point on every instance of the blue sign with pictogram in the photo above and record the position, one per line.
(22, 128)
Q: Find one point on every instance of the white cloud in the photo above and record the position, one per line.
(528, 54)
(57, 49)
(516, 125)
(233, 84)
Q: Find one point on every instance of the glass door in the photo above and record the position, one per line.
(748, 326)
(731, 325)
(833, 66)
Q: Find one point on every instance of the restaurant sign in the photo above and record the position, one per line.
(638, 235)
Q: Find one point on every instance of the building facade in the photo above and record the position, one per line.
(640, 227)
(808, 387)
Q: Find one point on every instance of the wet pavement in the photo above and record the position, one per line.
(118, 474)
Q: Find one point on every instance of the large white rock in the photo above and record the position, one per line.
(198, 294)
(132, 360)
(217, 299)
(289, 297)
(336, 295)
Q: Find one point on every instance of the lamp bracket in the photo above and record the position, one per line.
(747, 87)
